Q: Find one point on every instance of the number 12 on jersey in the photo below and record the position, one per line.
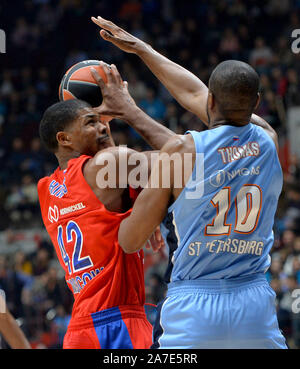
(247, 211)
(77, 263)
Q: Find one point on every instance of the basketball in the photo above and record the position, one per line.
(79, 83)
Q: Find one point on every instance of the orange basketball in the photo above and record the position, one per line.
(79, 83)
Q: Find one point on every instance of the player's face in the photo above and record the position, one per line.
(90, 133)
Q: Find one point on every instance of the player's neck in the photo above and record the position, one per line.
(237, 118)
(227, 123)
(237, 121)
(64, 157)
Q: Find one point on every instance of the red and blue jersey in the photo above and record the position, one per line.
(85, 236)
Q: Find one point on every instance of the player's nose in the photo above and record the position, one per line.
(102, 128)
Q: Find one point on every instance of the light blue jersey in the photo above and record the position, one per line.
(226, 231)
(219, 235)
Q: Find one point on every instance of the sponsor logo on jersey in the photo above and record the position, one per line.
(58, 190)
(232, 153)
(72, 208)
(218, 178)
(241, 172)
(53, 214)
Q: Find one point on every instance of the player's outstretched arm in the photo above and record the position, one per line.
(183, 85)
(12, 333)
(152, 203)
(118, 103)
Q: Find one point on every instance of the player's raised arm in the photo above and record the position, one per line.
(183, 85)
(118, 103)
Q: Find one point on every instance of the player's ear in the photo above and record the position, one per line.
(257, 101)
(64, 139)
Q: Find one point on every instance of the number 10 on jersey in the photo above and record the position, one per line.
(247, 211)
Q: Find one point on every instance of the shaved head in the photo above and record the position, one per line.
(234, 85)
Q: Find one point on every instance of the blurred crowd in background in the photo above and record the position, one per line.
(45, 38)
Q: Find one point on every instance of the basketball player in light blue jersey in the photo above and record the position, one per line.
(218, 224)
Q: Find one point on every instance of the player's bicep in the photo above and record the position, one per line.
(196, 103)
(152, 204)
(149, 209)
(116, 168)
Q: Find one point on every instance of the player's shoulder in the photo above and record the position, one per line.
(267, 134)
(45, 181)
(266, 138)
(108, 155)
(268, 131)
(42, 182)
(42, 189)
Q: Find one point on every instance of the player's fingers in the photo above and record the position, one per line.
(97, 78)
(158, 234)
(159, 239)
(116, 74)
(155, 243)
(106, 24)
(102, 109)
(119, 42)
(107, 36)
(107, 70)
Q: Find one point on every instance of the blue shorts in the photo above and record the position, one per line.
(122, 327)
(238, 313)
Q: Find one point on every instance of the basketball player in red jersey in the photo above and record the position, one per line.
(83, 218)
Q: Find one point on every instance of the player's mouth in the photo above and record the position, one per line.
(102, 138)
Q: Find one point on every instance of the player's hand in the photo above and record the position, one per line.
(118, 36)
(155, 241)
(117, 101)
